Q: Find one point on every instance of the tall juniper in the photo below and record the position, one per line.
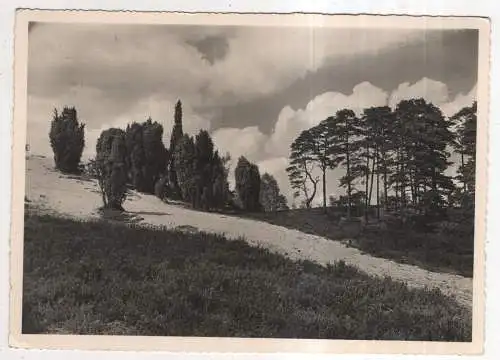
(67, 139)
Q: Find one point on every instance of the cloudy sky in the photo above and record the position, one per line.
(253, 88)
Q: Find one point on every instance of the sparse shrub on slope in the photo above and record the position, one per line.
(67, 139)
(247, 178)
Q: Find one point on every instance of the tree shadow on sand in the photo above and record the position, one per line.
(155, 213)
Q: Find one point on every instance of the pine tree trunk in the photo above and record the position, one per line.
(412, 186)
(324, 189)
(371, 180)
(378, 185)
(403, 184)
(385, 184)
(348, 179)
(367, 203)
(309, 200)
(396, 188)
(463, 177)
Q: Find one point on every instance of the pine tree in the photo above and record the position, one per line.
(321, 153)
(345, 133)
(422, 155)
(465, 144)
(376, 124)
(302, 165)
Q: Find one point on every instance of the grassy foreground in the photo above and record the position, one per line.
(104, 278)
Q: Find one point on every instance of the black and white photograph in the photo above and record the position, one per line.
(293, 177)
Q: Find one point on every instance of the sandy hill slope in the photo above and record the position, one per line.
(78, 198)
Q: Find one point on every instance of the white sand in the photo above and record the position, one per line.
(81, 199)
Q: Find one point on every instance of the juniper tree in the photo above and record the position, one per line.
(184, 162)
(67, 139)
(175, 138)
(146, 154)
(247, 178)
(111, 167)
(270, 197)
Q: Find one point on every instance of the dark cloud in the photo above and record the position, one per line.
(212, 48)
(450, 57)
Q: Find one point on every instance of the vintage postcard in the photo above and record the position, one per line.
(249, 182)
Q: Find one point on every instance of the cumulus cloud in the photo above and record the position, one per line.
(461, 100)
(432, 91)
(291, 122)
(246, 142)
(435, 92)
